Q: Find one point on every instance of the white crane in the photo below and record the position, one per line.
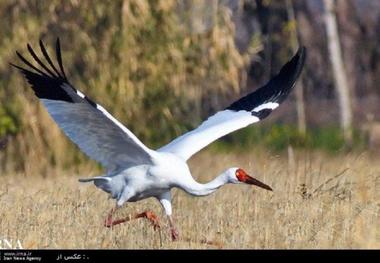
(134, 171)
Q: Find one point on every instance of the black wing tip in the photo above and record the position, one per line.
(45, 71)
(294, 66)
(59, 57)
(286, 79)
(301, 55)
(18, 54)
(44, 78)
(42, 44)
(16, 66)
(299, 61)
(22, 70)
(277, 88)
(301, 52)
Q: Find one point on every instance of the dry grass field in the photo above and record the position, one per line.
(319, 201)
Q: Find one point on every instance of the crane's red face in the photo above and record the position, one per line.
(243, 177)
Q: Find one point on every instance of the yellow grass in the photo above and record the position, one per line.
(319, 201)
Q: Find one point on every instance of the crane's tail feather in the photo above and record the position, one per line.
(101, 182)
(86, 180)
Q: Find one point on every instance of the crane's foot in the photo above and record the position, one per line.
(109, 222)
(174, 233)
(152, 217)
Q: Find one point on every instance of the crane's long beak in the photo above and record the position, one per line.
(251, 180)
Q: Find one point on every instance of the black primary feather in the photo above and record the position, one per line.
(47, 57)
(31, 51)
(28, 64)
(59, 57)
(48, 83)
(276, 90)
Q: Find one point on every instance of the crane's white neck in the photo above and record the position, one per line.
(198, 189)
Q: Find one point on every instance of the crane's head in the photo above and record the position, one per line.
(238, 176)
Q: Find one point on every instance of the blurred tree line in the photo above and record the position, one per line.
(162, 66)
(142, 60)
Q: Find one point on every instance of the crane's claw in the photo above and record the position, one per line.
(174, 233)
(109, 222)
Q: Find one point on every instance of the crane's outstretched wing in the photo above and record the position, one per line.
(247, 110)
(86, 123)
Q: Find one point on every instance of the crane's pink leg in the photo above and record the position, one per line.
(109, 222)
(152, 217)
(173, 230)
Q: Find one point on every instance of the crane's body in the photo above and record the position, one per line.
(144, 181)
(135, 172)
(156, 180)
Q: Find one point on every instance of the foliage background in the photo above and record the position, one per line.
(163, 66)
(136, 58)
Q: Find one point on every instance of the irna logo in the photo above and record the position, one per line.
(10, 244)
